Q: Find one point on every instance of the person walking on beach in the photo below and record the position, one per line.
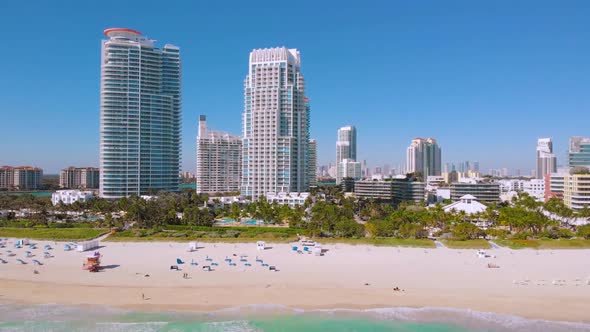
(142, 296)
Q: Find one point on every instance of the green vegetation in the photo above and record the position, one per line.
(467, 244)
(53, 234)
(203, 233)
(545, 244)
(386, 242)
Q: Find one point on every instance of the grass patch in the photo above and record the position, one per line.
(207, 234)
(467, 244)
(53, 234)
(545, 244)
(386, 242)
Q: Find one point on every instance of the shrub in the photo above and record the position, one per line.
(524, 235)
(584, 232)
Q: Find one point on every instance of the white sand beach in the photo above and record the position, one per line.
(545, 284)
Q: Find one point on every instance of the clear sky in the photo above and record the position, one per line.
(486, 78)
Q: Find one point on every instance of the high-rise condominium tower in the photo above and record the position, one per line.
(423, 156)
(313, 163)
(579, 152)
(219, 160)
(345, 149)
(275, 124)
(546, 161)
(140, 114)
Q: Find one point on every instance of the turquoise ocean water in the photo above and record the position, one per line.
(267, 318)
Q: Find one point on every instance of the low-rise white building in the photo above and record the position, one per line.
(467, 204)
(70, 196)
(292, 199)
(535, 188)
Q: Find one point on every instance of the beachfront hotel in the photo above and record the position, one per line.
(79, 178)
(20, 177)
(275, 124)
(424, 156)
(140, 114)
(219, 161)
(345, 150)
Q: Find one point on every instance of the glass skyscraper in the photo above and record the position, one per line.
(579, 152)
(140, 115)
(275, 124)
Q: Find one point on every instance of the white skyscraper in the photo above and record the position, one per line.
(349, 168)
(345, 149)
(219, 161)
(424, 156)
(546, 161)
(312, 165)
(140, 115)
(275, 124)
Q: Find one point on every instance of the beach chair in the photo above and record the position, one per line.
(214, 264)
(29, 254)
(174, 267)
(46, 254)
(179, 261)
(36, 262)
(3, 261)
(193, 263)
(10, 253)
(243, 260)
(264, 265)
(232, 264)
(47, 247)
(295, 248)
(207, 268)
(247, 264)
(306, 249)
(67, 247)
(209, 259)
(227, 259)
(272, 268)
(21, 261)
(259, 260)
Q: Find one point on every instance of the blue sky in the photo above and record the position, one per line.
(486, 78)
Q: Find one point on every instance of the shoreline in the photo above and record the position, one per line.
(431, 278)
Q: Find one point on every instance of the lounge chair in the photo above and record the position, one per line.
(179, 261)
(232, 264)
(247, 264)
(36, 262)
(3, 261)
(295, 248)
(10, 253)
(46, 254)
(227, 259)
(174, 267)
(21, 261)
(208, 259)
(193, 263)
(258, 260)
(264, 265)
(272, 268)
(29, 254)
(207, 268)
(214, 264)
(243, 260)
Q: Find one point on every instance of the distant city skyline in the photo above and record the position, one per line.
(489, 67)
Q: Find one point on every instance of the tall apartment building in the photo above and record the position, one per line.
(345, 149)
(579, 152)
(349, 168)
(312, 163)
(20, 178)
(546, 161)
(275, 124)
(79, 178)
(424, 156)
(140, 108)
(576, 191)
(219, 160)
